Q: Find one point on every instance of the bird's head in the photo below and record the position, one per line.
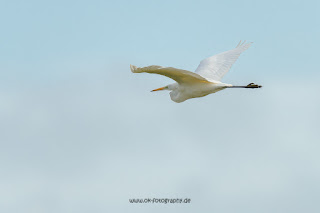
(168, 87)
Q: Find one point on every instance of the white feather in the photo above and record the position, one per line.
(215, 67)
(179, 75)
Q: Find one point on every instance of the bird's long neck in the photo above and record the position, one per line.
(251, 85)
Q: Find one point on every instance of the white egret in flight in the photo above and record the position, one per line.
(204, 81)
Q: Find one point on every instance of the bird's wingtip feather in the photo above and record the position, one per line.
(133, 68)
(241, 44)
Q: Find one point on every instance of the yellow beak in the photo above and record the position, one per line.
(161, 88)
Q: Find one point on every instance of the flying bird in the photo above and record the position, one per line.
(204, 81)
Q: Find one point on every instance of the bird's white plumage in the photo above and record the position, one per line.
(215, 67)
(205, 80)
(179, 75)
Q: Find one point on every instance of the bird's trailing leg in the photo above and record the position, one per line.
(251, 85)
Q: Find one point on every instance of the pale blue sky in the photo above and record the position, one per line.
(80, 133)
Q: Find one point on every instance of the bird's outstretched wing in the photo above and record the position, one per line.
(180, 76)
(215, 67)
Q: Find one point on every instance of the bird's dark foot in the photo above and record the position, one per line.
(252, 85)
